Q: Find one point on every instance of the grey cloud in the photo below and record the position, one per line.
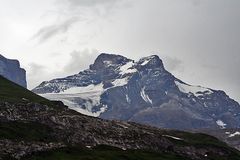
(55, 54)
(96, 8)
(74, 14)
(173, 63)
(33, 72)
(50, 31)
(36, 68)
(80, 60)
(90, 3)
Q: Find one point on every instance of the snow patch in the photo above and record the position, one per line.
(205, 105)
(194, 100)
(196, 90)
(221, 124)
(85, 89)
(176, 138)
(234, 134)
(120, 82)
(90, 95)
(125, 126)
(128, 99)
(145, 62)
(87, 112)
(145, 97)
(127, 68)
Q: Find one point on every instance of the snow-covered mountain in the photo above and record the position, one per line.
(11, 70)
(115, 87)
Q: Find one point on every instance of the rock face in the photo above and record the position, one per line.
(11, 70)
(115, 87)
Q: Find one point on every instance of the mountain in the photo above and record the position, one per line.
(115, 87)
(32, 127)
(11, 70)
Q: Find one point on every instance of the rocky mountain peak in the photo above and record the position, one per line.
(11, 70)
(116, 87)
(151, 61)
(105, 60)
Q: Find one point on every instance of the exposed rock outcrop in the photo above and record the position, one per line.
(11, 70)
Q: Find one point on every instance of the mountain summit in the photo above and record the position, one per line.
(105, 60)
(115, 87)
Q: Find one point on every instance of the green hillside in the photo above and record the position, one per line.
(12, 92)
(103, 153)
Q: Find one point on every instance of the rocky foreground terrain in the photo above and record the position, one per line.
(33, 128)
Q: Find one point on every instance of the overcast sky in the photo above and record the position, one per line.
(198, 40)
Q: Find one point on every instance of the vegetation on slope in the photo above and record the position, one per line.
(111, 153)
(103, 153)
(12, 92)
(27, 131)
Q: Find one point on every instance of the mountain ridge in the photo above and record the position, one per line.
(115, 87)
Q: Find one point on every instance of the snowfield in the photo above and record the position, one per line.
(91, 95)
(196, 90)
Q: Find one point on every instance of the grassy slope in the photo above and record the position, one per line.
(27, 131)
(196, 139)
(19, 130)
(111, 153)
(103, 153)
(12, 92)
